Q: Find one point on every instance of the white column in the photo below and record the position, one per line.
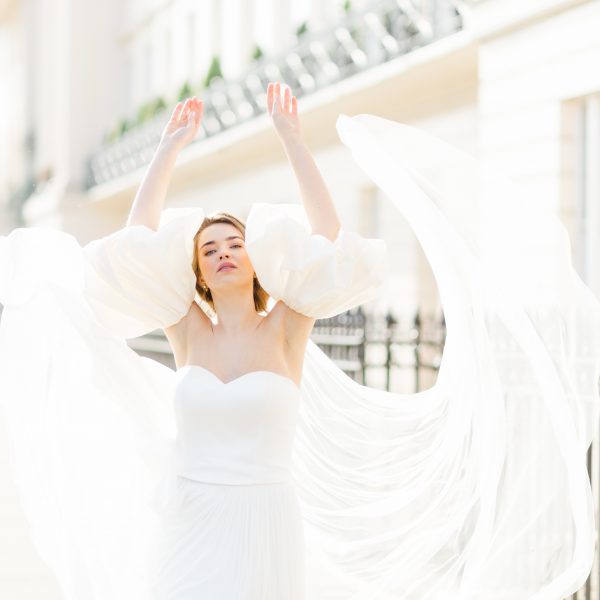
(591, 262)
(138, 75)
(246, 34)
(163, 53)
(591, 185)
(46, 80)
(236, 36)
(280, 25)
(205, 43)
(192, 46)
(81, 82)
(322, 14)
(216, 19)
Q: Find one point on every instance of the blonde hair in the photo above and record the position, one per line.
(260, 295)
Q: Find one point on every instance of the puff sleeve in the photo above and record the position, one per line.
(313, 275)
(137, 279)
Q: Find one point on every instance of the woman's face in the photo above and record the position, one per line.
(219, 244)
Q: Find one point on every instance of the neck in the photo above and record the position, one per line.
(236, 313)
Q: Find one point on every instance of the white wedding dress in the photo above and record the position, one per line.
(141, 483)
(233, 528)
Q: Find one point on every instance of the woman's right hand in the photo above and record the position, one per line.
(183, 124)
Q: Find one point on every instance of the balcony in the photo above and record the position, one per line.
(387, 30)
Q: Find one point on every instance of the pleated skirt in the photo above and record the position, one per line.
(229, 542)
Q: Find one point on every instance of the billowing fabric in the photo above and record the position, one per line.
(129, 284)
(314, 276)
(473, 489)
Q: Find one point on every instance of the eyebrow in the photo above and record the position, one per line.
(230, 237)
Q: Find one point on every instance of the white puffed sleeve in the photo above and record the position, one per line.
(137, 279)
(311, 274)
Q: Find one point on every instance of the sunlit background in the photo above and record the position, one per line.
(87, 86)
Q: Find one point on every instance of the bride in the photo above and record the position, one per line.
(242, 340)
(258, 469)
(255, 548)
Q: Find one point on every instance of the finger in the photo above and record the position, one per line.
(277, 98)
(286, 99)
(274, 99)
(270, 89)
(186, 109)
(199, 112)
(176, 111)
(294, 105)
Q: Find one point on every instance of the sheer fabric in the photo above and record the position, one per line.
(474, 489)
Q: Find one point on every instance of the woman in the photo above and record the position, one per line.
(253, 547)
(272, 474)
(240, 338)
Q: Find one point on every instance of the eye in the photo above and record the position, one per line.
(234, 246)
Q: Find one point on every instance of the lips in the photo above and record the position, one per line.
(226, 264)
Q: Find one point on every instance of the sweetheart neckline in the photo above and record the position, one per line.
(285, 377)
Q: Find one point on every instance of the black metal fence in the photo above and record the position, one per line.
(372, 350)
(360, 40)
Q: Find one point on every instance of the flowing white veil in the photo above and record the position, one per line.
(474, 489)
(477, 487)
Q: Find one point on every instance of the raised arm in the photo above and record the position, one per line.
(318, 204)
(179, 131)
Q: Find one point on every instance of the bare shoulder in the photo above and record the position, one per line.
(178, 334)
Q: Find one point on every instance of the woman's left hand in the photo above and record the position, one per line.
(283, 111)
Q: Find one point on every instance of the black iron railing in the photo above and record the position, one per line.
(386, 30)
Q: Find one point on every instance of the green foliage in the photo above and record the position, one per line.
(185, 91)
(257, 53)
(158, 105)
(214, 71)
(123, 126)
(150, 109)
(144, 113)
(347, 6)
(110, 136)
(120, 128)
(302, 29)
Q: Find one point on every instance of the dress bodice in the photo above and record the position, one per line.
(235, 432)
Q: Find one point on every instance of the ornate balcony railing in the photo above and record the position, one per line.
(386, 30)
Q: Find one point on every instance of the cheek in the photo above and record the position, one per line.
(247, 262)
(203, 263)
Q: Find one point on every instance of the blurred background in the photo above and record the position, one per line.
(87, 86)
